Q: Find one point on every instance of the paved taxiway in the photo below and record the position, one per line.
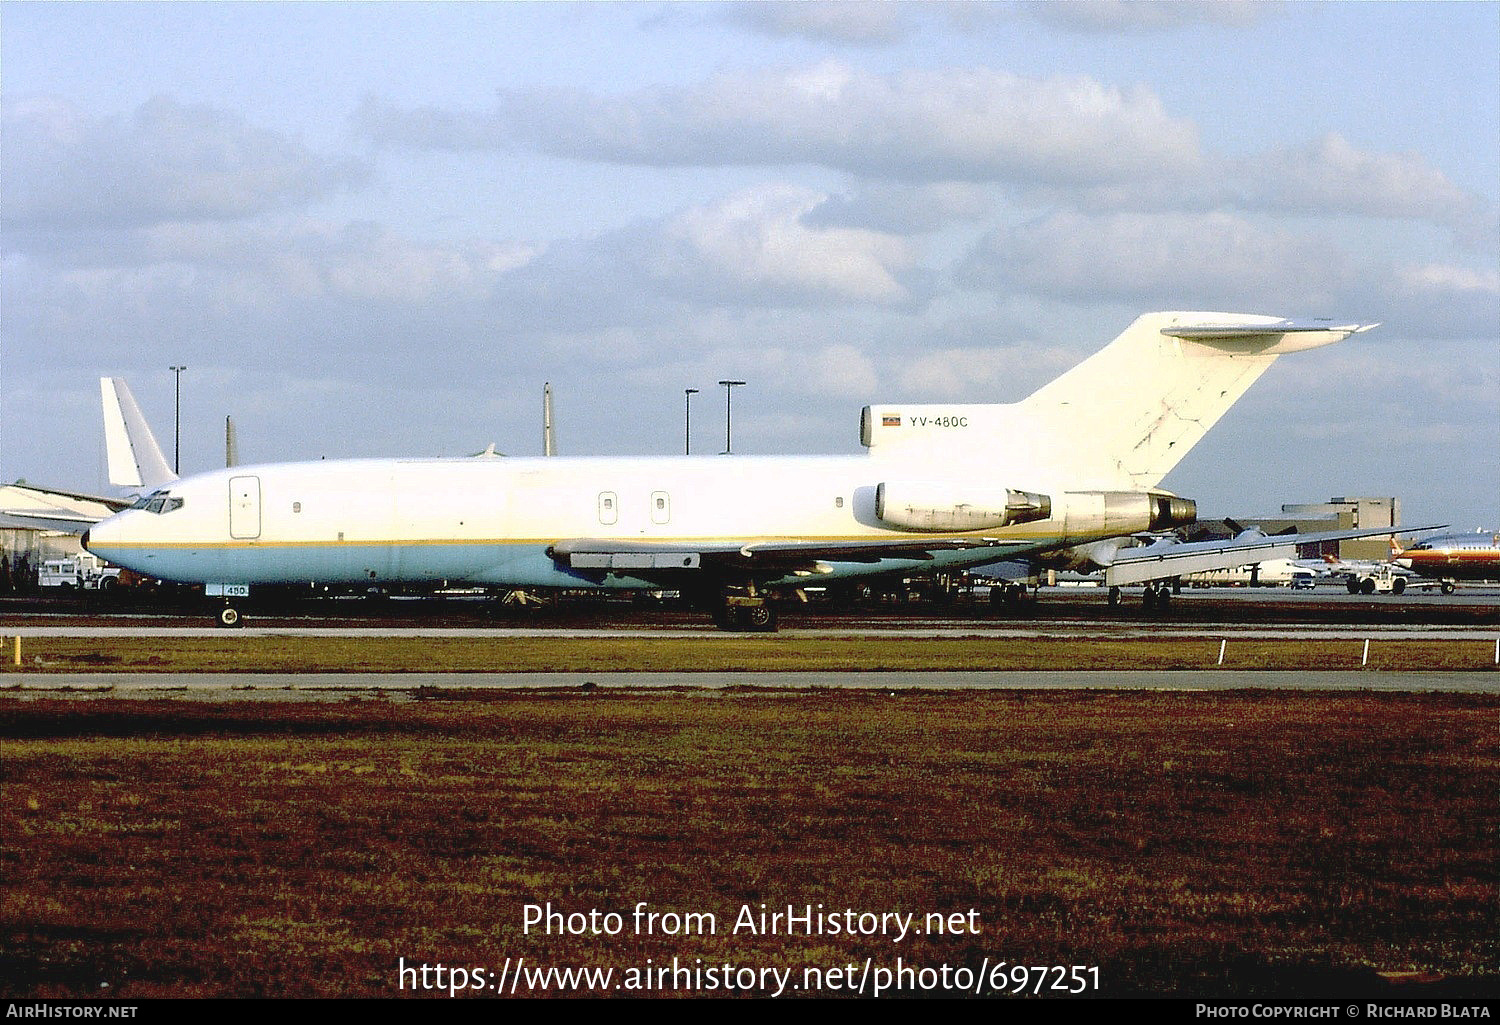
(406, 686)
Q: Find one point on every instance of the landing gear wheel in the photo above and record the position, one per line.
(1449, 587)
(1114, 597)
(1010, 596)
(229, 617)
(756, 618)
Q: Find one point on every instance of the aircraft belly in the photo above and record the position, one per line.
(348, 563)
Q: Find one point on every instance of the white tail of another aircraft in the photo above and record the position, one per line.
(1124, 417)
(135, 459)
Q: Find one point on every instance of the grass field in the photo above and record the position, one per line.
(1242, 843)
(234, 652)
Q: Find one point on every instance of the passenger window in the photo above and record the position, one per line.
(608, 511)
(661, 507)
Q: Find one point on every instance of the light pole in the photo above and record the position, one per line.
(177, 424)
(687, 421)
(729, 387)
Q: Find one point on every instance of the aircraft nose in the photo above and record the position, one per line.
(85, 540)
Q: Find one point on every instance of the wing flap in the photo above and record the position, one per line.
(770, 557)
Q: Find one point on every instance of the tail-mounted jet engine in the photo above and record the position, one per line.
(1124, 512)
(943, 506)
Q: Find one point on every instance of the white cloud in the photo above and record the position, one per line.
(1136, 16)
(904, 209)
(66, 169)
(258, 291)
(987, 374)
(1330, 175)
(1441, 278)
(1434, 300)
(1326, 178)
(1166, 261)
(1074, 141)
(950, 125)
(756, 243)
(848, 22)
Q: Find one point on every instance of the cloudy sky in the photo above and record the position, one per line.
(378, 229)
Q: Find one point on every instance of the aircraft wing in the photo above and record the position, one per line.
(27, 519)
(758, 558)
(1166, 559)
(64, 511)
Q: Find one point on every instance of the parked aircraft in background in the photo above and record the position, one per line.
(1452, 558)
(1267, 573)
(1068, 474)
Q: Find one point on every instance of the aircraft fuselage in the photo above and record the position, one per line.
(495, 522)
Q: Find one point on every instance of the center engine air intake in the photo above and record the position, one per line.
(943, 506)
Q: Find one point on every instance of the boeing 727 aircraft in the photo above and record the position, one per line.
(941, 487)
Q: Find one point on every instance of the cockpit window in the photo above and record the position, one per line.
(157, 503)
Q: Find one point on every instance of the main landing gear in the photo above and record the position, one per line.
(746, 612)
(1008, 596)
(1157, 597)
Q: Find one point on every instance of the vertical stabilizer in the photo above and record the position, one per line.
(135, 460)
(1122, 418)
(1142, 402)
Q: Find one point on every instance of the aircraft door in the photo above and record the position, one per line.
(244, 507)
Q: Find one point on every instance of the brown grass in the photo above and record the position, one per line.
(1210, 844)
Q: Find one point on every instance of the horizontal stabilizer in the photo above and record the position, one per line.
(1305, 332)
(135, 460)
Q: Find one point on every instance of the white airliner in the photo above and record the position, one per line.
(1052, 478)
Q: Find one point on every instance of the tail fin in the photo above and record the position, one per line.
(135, 460)
(1125, 416)
(1143, 401)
